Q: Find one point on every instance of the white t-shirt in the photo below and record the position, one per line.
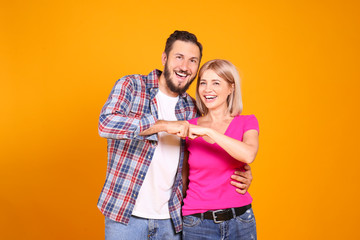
(155, 192)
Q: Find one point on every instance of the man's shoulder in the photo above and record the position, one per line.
(189, 105)
(149, 81)
(134, 78)
(189, 98)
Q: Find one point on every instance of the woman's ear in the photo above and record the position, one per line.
(232, 88)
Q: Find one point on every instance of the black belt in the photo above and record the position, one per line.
(222, 215)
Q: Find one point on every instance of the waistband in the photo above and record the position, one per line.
(221, 215)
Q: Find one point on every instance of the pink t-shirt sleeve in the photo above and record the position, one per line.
(192, 121)
(251, 123)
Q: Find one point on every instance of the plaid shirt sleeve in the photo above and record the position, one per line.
(120, 118)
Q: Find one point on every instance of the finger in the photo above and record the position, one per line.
(181, 134)
(240, 188)
(238, 185)
(186, 129)
(195, 136)
(240, 173)
(242, 183)
(247, 167)
(192, 137)
(238, 178)
(192, 134)
(182, 131)
(246, 174)
(241, 191)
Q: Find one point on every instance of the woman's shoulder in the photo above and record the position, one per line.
(248, 122)
(250, 117)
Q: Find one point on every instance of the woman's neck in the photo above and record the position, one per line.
(218, 115)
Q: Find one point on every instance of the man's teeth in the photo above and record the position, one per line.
(181, 74)
(210, 97)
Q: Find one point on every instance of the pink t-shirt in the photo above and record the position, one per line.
(211, 168)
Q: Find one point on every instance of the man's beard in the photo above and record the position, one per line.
(171, 85)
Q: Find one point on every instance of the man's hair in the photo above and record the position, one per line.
(182, 36)
(227, 71)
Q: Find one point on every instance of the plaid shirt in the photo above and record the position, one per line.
(130, 109)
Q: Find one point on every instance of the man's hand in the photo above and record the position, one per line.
(179, 128)
(242, 179)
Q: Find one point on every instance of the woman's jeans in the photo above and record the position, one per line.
(242, 227)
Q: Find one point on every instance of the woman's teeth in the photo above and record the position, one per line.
(210, 97)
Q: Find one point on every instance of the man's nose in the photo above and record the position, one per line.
(184, 66)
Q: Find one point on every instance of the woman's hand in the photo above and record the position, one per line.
(197, 131)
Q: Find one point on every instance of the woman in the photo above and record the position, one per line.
(219, 142)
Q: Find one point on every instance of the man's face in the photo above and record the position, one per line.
(181, 66)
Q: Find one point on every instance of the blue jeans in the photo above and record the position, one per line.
(242, 227)
(140, 229)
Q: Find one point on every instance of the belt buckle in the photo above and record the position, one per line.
(215, 217)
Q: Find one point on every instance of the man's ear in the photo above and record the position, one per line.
(163, 58)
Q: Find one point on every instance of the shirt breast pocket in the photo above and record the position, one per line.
(139, 107)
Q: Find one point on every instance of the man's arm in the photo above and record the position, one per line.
(185, 173)
(242, 180)
(116, 119)
(179, 128)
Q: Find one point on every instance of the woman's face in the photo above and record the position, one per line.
(214, 90)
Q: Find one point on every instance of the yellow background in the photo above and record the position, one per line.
(299, 63)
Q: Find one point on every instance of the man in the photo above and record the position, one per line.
(144, 120)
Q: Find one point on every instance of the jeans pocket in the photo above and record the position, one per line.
(246, 217)
(191, 221)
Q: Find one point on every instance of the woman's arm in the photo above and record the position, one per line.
(244, 151)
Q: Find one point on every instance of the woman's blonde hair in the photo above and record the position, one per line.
(227, 71)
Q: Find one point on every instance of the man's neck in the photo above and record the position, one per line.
(164, 88)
